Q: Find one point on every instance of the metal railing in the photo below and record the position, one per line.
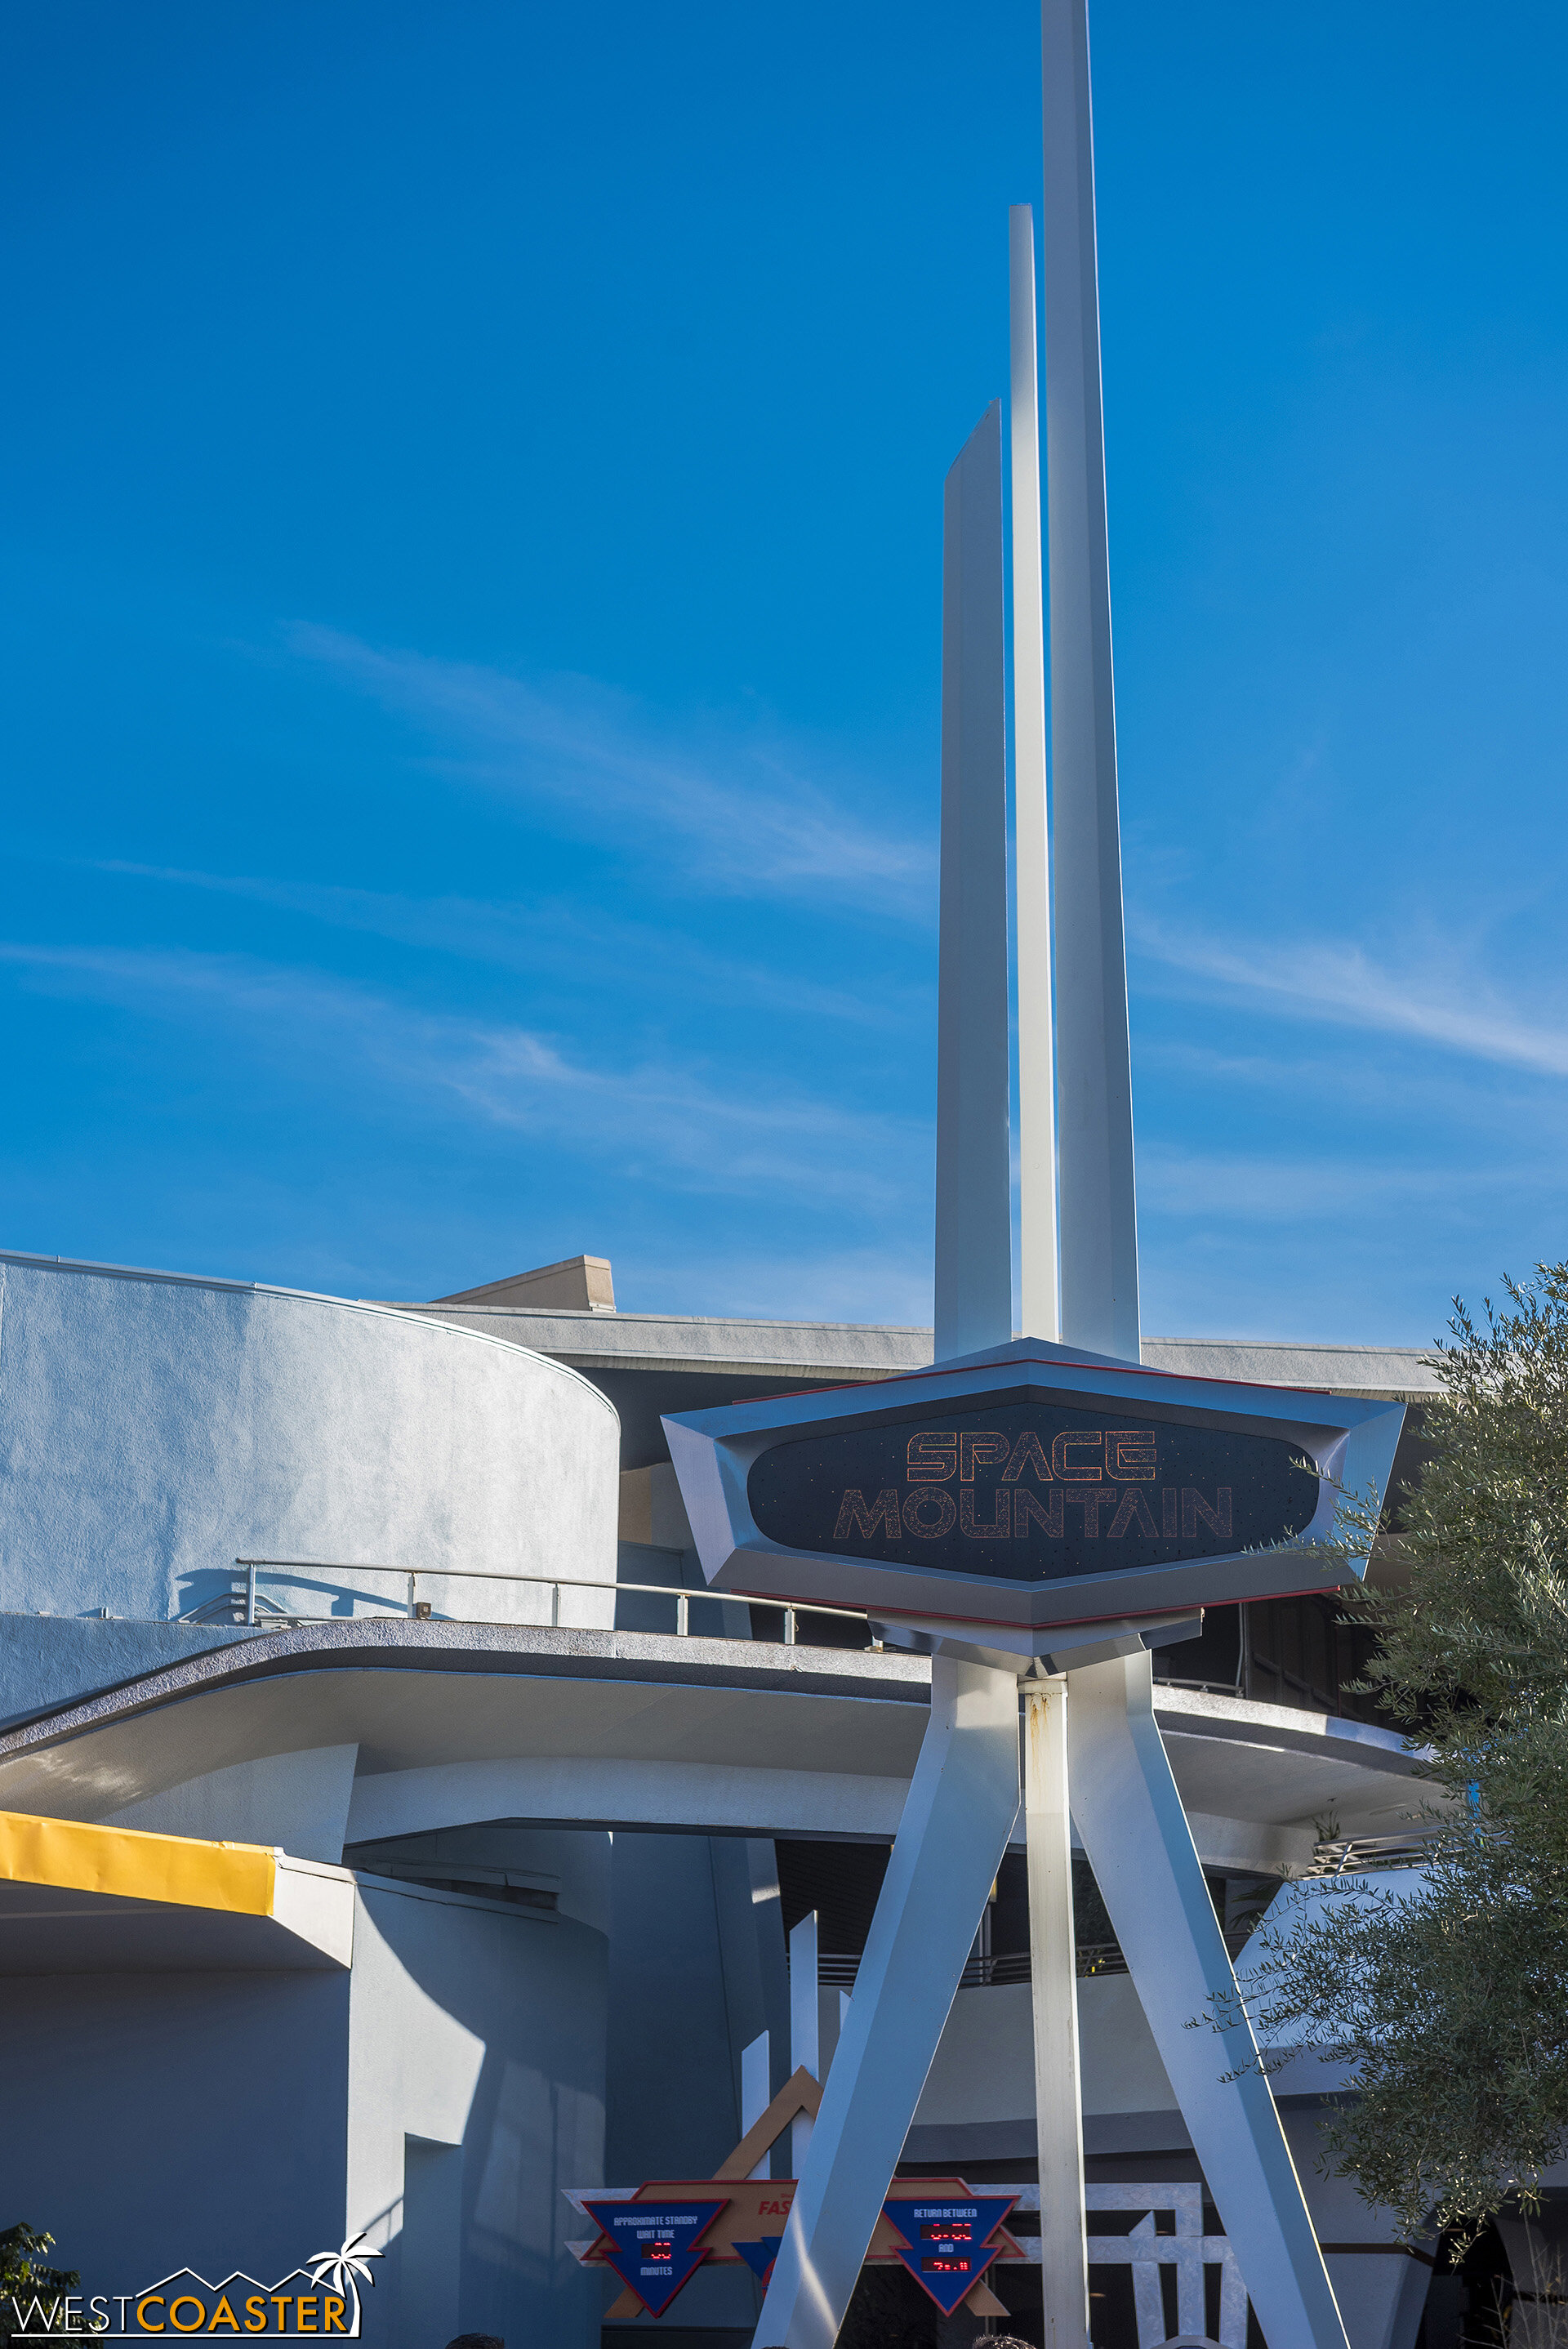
(837, 1969)
(245, 1600)
(1355, 1855)
(984, 1969)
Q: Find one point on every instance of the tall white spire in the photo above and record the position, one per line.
(974, 1175)
(1040, 1315)
(1094, 1076)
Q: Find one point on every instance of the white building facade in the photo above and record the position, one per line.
(398, 1596)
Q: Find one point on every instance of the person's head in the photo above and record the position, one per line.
(477, 2341)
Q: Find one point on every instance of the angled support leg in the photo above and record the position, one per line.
(962, 1803)
(1135, 1831)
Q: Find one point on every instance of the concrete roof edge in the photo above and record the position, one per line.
(814, 1336)
(674, 1321)
(412, 1316)
(396, 1643)
(599, 1342)
(1238, 1713)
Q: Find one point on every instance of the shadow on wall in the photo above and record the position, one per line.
(158, 1428)
(478, 2093)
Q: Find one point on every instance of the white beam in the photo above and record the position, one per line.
(974, 1176)
(963, 1802)
(1130, 1814)
(804, 2028)
(632, 1792)
(1052, 1979)
(1039, 1310)
(1094, 1076)
(755, 2094)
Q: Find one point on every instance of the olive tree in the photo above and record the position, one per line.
(1447, 2001)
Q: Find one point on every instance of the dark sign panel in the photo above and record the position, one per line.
(946, 2245)
(654, 2247)
(1032, 1492)
(760, 2255)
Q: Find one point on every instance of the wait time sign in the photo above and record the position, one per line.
(1027, 1488)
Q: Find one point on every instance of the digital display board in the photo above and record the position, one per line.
(1032, 1490)
(654, 2247)
(948, 2245)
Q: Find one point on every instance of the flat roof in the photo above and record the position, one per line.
(835, 1352)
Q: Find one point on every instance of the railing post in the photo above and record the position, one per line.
(250, 1594)
(788, 1626)
(683, 1615)
(555, 1606)
(412, 1579)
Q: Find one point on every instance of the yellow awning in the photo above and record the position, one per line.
(67, 1853)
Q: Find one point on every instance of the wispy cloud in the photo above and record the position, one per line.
(890, 1285)
(1435, 1100)
(1259, 1187)
(1435, 999)
(738, 811)
(657, 1119)
(551, 936)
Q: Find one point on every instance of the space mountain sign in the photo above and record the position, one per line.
(1031, 1487)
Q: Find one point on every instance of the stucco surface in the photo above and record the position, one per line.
(984, 2066)
(154, 1428)
(224, 2120)
(482, 2030)
(48, 1660)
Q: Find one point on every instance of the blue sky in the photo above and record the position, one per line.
(473, 510)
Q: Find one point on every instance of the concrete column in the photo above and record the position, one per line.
(805, 2045)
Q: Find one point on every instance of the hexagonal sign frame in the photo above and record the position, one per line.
(1029, 1488)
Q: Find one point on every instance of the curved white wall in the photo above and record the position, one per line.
(154, 1428)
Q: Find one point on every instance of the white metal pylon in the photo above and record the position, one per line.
(962, 1803)
(1094, 1073)
(1135, 1829)
(1039, 1307)
(1053, 1981)
(1122, 1794)
(974, 1173)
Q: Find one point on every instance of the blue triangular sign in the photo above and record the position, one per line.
(653, 2246)
(761, 2256)
(944, 2240)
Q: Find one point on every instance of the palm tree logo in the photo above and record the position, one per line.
(341, 2269)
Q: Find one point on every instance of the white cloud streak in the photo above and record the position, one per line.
(660, 1123)
(891, 1286)
(1438, 1002)
(551, 936)
(737, 815)
(1220, 1187)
